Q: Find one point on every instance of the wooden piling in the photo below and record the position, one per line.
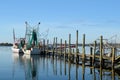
(83, 48)
(69, 55)
(53, 45)
(103, 60)
(77, 58)
(101, 49)
(60, 47)
(72, 56)
(65, 49)
(94, 51)
(44, 46)
(47, 46)
(91, 53)
(113, 56)
(56, 45)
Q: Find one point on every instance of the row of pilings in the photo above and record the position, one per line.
(71, 52)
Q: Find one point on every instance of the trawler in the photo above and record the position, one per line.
(29, 44)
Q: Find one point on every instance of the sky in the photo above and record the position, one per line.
(62, 17)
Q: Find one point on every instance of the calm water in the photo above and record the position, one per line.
(15, 67)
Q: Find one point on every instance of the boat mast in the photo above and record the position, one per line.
(13, 35)
(26, 29)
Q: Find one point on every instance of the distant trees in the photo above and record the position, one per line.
(6, 44)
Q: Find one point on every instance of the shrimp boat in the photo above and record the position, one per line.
(29, 44)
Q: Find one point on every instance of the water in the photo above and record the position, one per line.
(15, 67)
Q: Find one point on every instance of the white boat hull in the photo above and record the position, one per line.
(15, 50)
(33, 51)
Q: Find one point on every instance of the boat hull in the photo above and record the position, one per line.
(15, 50)
(33, 51)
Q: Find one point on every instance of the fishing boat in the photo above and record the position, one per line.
(27, 45)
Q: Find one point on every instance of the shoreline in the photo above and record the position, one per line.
(6, 44)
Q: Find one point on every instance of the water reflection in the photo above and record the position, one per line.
(76, 71)
(83, 71)
(44, 68)
(69, 70)
(29, 64)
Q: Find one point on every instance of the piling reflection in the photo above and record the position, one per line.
(76, 71)
(64, 66)
(60, 67)
(100, 72)
(94, 74)
(83, 71)
(55, 66)
(40, 67)
(69, 68)
(113, 73)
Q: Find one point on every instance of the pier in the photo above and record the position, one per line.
(101, 53)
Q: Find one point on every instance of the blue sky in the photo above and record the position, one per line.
(91, 17)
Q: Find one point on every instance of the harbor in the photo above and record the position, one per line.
(39, 67)
(60, 40)
(101, 53)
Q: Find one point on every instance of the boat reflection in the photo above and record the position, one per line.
(43, 68)
(28, 64)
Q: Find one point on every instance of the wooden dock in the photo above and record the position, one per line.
(98, 55)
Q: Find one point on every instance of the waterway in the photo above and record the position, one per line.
(16, 67)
